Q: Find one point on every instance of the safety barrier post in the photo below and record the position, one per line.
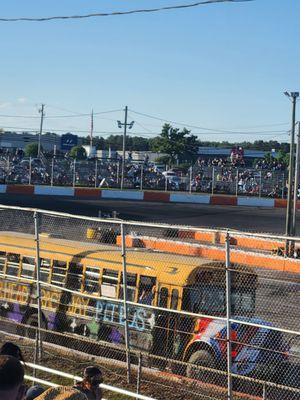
(228, 317)
(191, 177)
(52, 170)
(29, 177)
(118, 171)
(127, 345)
(142, 173)
(139, 374)
(260, 183)
(74, 172)
(283, 185)
(237, 182)
(166, 183)
(38, 286)
(96, 172)
(264, 392)
(213, 180)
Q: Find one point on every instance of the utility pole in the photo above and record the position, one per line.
(41, 111)
(91, 133)
(125, 125)
(296, 182)
(288, 231)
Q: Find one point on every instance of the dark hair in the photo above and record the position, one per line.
(89, 372)
(11, 372)
(11, 349)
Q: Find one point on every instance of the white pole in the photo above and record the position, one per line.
(237, 183)
(38, 286)
(52, 171)
(125, 304)
(74, 173)
(260, 183)
(228, 317)
(191, 177)
(118, 172)
(30, 166)
(96, 172)
(296, 184)
(213, 180)
(142, 174)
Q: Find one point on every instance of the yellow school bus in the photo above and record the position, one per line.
(82, 289)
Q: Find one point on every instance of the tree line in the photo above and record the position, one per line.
(177, 145)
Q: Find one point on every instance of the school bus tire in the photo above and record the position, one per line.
(200, 358)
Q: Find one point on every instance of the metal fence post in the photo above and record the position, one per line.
(191, 177)
(228, 316)
(166, 183)
(30, 167)
(38, 285)
(142, 173)
(139, 374)
(283, 185)
(127, 345)
(237, 183)
(52, 171)
(118, 172)
(260, 183)
(213, 180)
(96, 172)
(74, 173)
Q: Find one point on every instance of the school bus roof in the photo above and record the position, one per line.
(169, 268)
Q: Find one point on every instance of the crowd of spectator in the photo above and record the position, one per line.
(14, 387)
(208, 175)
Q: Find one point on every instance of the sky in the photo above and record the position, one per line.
(220, 68)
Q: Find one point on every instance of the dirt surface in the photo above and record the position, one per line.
(156, 384)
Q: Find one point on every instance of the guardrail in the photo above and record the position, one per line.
(75, 379)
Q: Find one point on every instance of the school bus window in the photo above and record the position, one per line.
(206, 299)
(174, 299)
(2, 261)
(74, 276)
(163, 297)
(28, 267)
(131, 287)
(58, 273)
(45, 269)
(91, 281)
(110, 279)
(13, 261)
(146, 290)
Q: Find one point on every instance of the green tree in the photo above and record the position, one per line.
(31, 149)
(78, 153)
(179, 145)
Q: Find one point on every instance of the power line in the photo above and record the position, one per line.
(58, 116)
(119, 13)
(211, 130)
(49, 130)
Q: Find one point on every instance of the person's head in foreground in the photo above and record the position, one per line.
(11, 378)
(11, 349)
(33, 392)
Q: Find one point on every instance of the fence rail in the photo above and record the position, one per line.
(155, 297)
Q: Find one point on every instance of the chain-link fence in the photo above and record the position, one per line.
(170, 311)
(144, 176)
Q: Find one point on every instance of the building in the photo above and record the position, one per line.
(50, 142)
